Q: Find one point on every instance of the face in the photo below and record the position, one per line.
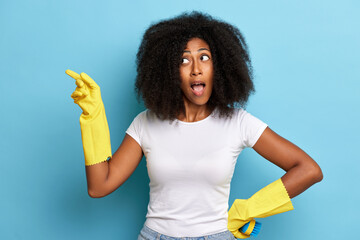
(196, 72)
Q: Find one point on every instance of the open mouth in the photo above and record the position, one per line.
(198, 88)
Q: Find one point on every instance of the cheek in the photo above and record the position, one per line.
(209, 69)
(210, 75)
(183, 78)
(183, 85)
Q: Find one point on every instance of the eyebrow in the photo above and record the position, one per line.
(201, 49)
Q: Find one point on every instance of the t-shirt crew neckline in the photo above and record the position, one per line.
(197, 122)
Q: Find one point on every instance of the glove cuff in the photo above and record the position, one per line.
(272, 199)
(95, 136)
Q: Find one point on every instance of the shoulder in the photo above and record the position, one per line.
(142, 114)
(241, 113)
(243, 117)
(238, 113)
(146, 116)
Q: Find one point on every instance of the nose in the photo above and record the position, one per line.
(196, 69)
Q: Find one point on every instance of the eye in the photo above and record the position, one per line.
(185, 60)
(204, 57)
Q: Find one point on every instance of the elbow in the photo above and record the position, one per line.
(319, 175)
(95, 194)
(316, 173)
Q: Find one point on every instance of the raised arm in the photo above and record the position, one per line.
(103, 177)
(301, 170)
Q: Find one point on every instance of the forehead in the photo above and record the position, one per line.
(196, 43)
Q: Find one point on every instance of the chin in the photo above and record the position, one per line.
(198, 102)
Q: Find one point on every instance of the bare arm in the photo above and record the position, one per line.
(104, 178)
(301, 170)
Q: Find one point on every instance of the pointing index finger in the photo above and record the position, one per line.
(73, 74)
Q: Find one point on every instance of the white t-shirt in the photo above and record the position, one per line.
(190, 166)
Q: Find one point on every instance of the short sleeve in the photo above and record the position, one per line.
(134, 130)
(251, 128)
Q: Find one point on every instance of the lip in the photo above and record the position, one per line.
(196, 82)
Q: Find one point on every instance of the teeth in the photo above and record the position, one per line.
(196, 84)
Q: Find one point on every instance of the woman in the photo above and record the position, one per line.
(193, 70)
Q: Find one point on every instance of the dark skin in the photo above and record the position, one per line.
(301, 170)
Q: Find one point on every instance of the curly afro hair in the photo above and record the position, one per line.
(159, 58)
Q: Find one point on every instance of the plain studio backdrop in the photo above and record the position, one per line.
(305, 56)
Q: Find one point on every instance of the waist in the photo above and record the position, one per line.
(195, 227)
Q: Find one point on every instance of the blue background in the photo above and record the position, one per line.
(306, 60)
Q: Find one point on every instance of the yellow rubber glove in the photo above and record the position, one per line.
(272, 199)
(93, 123)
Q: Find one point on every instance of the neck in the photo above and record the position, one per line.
(194, 113)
